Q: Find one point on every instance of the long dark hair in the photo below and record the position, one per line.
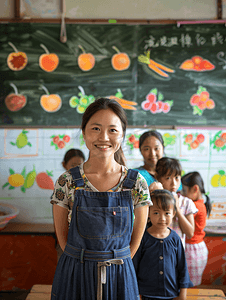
(149, 133)
(105, 103)
(193, 178)
(71, 153)
(167, 166)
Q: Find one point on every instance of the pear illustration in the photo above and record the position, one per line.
(21, 140)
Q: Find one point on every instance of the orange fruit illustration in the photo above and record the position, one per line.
(188, 138)
(50, 102)
(219, 143)
(48, 61)
(86, 61)
(120, 61)
(194, 144)
(210, 104)
(223, 136)
(188, 64)
(16, 61)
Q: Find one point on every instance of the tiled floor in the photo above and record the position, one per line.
(21, 295)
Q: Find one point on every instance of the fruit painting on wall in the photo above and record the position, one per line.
(44, 180)
(193, 141)
(14, 101)
(22, 180)
(50, 102)
(16, 60)
(59, 141)
(155, 102)
(132, 140)
(126, 104)
(219, 180)
(201, 101)
(82, 101)
(21, 140)
(169, 139)
(86, 61)
(48, 61)
(120, 61)
(219, 141)
(198, 64)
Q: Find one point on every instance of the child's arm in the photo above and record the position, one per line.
(182, 295)
(60, 215)
(140, 222)
(186, 223)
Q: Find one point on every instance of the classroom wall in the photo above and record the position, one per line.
(126, 9)
(41, 155)
(31, 162)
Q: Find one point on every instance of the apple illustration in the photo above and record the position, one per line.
(120, 61)
(15, 102)
(86, 61)
(16, 61)
(48, 61)
(50, 102)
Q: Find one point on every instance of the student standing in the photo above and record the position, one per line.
(151, 146)
(160, 262)
(108, 207)
(196, 250)
(72, 158)
(168, 173)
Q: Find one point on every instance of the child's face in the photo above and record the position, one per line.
(161, 218)
(73, 162)
(152, 151)
(170, 182)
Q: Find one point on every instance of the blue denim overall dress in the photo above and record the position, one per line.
(96, 263)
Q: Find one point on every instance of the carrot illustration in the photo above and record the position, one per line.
(123, 100)
(157, 70)
(161, 66)
(126, 104)
(156, 67)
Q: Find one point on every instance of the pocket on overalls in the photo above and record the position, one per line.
(102, 222)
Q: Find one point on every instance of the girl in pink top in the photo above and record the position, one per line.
(196, 250)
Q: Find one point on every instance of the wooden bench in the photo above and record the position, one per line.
(42, 292)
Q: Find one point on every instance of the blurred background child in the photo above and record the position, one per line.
(72, 159)
(196, 250)
(160, 261)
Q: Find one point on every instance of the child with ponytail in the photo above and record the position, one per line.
(196, 250)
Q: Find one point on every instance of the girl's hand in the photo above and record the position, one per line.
(155, 186)
(177, 200)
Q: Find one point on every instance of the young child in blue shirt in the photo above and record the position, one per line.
(160, 261)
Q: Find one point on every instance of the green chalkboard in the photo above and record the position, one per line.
(167, 75)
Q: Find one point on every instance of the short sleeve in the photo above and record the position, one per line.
(63, 192)
(140, 192)
(190, 207)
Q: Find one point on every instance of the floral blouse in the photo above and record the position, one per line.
(63, 194)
